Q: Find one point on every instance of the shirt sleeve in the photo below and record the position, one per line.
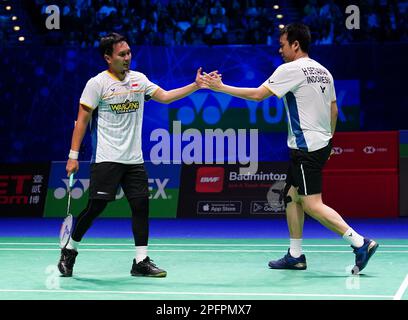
(284, 79)
(92, 94)
(150, 89)
(332, 91)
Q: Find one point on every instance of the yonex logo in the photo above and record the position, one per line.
(77, 191)
(80, 187)
(322, 88)
(160, 185)
(337, 150)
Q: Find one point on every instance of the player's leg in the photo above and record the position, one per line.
(104, 181)
(310, 190)
(362, 247)
(294, 214)
(294, 259)
(314, 206)
(135, 186)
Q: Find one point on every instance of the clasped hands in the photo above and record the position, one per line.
(210, 80)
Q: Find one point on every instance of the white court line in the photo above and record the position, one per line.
(401, 289)
(188, 250)
(205, 293)
(195, 244)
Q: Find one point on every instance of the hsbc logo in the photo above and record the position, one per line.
(210, 179)
(369, 150)
(340, 150)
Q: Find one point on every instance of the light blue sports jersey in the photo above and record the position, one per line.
(116, 125)
(308, 91)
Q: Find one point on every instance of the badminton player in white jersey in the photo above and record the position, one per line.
(310, 102)
(112, 102)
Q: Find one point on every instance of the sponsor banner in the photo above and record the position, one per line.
(403, 187)
(403, 173)
(364, 150)
(364, 171)
(222, 111)
(219, 190)
(403, 143)
(23, 189)
(163, 187)
(371, 193)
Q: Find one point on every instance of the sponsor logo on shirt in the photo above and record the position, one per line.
(125, 107)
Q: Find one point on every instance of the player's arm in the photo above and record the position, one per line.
(163, 96)
(333, 116)
(215, 83)
(84, 116)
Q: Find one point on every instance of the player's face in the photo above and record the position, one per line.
(286, 50)
(121, 57)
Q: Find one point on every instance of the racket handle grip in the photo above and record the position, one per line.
(71, 180)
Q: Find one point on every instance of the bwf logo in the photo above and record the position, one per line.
(210, 179)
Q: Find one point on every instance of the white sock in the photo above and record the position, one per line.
(72, 245)
(295, 248)
(353, 238)
(141, 253)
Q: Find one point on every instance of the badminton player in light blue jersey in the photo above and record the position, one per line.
(307, 89)
(112, 102)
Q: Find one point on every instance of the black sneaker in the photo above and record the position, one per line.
(146, 268)
(67, 261)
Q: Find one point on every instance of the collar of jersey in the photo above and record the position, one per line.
(115, 77)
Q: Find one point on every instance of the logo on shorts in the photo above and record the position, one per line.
(210, 179)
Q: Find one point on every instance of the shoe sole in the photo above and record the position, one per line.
(356, 269)
(158, 275)
(289, 268)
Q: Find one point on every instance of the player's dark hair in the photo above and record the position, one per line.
(107, 42)
(299, 32)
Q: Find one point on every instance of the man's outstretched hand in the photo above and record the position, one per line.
(202, 80)
(213, 80)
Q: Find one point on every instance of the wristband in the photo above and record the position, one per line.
(73, 154)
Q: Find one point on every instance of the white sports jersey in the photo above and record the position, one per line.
(116, 125)
(308, 90)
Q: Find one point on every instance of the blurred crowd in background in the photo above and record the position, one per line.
(205, 22)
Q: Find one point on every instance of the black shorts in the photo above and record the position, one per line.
(107, 176)
(305, 169)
